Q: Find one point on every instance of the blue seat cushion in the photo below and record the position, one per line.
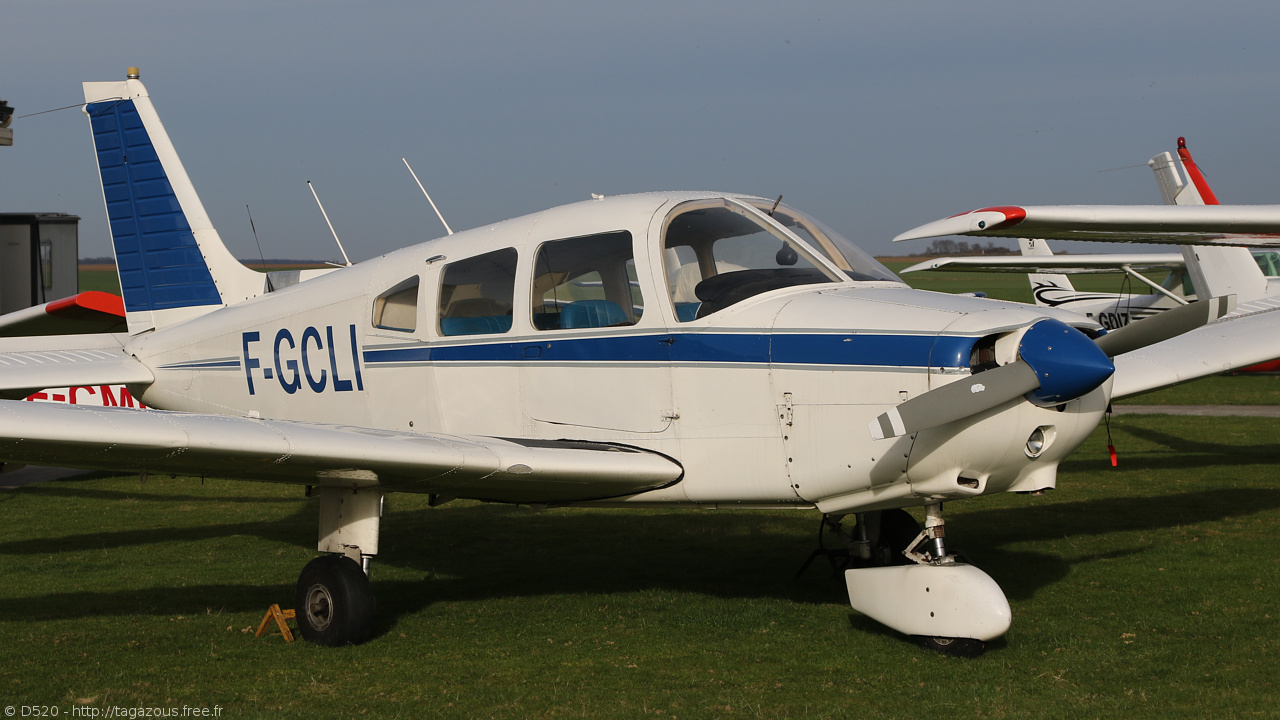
(686, 311)
(592, 313)
(475, 325)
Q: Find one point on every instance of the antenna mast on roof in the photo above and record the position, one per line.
(326, 219)
(424, 192)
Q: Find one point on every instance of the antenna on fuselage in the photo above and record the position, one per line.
(326, 219)
(424, 192)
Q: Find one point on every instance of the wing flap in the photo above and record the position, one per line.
(317, 454)
(31, 364)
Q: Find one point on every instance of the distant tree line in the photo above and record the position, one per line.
(945, 246)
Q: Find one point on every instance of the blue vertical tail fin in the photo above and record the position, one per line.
(172, 264)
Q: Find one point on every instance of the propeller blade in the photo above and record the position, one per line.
(1168, 324)
(956, 400)
(1056, 364)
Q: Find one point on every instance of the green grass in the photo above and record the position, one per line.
(1141, 591)
(1247, 389)
(100, 280)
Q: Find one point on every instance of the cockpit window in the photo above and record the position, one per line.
(842, 252)
(719, 253)
(476, 294)
(586, 282)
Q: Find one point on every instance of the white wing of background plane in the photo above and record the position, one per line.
(1072, 264)
(1248, 225)
(484, 468)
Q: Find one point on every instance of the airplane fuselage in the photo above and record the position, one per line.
(764, 403)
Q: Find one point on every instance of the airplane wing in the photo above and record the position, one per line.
(483, 468)
(89, 312)
(1248, 225)
(1072, 264)
(31, 364)
(1248, 336)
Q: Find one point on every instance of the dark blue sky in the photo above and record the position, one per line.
(873, 116)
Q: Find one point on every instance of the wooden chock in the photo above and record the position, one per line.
(281, 617)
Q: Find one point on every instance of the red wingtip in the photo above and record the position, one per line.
(90, 300)
(1012, 215)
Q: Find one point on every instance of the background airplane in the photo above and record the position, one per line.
(1250, 275)
(690, 349)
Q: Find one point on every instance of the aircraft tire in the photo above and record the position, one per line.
(897, 530)
(334, 602)
(955, 647)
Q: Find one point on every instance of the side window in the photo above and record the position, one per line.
(586, 282)
(397, 308)
(476, 294)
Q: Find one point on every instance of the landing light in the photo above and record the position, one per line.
(1039, 440)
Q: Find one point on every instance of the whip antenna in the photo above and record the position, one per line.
(326, 219)
(424, 192)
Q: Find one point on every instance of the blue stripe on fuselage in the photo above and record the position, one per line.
(778, 348)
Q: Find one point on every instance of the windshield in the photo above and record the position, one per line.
(719, 253)
(851, 259)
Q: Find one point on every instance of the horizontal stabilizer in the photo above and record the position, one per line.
(89, 312)
(31, 364)
(1250, 225)
(483, 468)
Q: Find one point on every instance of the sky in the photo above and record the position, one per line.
(874, 117)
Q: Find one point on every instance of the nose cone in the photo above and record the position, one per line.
(1066, 362)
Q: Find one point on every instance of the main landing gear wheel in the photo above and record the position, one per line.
(334, 602)
(955, 647)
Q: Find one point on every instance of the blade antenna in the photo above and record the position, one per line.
(326, 219)
(776, 203)
(424, 192)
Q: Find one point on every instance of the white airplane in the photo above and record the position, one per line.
(1248, 275)
(678, 349)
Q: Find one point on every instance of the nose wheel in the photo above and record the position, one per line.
(334, 603)
(943, 604)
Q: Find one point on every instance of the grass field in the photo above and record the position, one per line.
(1141, 591)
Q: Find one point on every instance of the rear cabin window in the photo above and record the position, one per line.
(397, 308)
(476, 294)
(586, 282)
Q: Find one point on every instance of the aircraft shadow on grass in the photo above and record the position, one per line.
(1191, 453)
(479, 552)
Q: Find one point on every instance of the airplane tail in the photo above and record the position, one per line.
(1215, 271)
(171, 262)
(1042, 283)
